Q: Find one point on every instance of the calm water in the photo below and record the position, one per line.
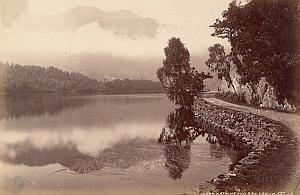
(61, 142)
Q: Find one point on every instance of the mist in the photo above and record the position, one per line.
(108, 38)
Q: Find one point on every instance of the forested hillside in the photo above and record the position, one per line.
(17, 78)
(127, 86)
(35, 78)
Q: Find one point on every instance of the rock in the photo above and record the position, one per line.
(289, 107)
(261, 94)
(269, 99)
(248, 161)
(222, 176)
(231, 174)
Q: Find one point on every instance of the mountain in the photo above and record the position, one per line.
(102, 66)
(120, 22)
(78, 16)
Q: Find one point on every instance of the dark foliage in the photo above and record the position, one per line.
(264, 37)
(231, 97)
(17, 78)
(181, 82)
(127, 86)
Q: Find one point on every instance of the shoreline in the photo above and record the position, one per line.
(78, 93)
(269, 148)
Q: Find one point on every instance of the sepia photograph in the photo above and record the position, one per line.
(149, 97)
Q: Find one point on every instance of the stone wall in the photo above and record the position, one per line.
(268, 148)
(261, 94)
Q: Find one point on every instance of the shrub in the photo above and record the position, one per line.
(231, 97)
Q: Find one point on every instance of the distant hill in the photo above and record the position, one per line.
(101, 65)
(17, 78)
(127, 86)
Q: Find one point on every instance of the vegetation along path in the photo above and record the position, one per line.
(292, 121)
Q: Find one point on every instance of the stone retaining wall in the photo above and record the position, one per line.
(268, 148)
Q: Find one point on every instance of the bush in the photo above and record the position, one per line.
(231, 97)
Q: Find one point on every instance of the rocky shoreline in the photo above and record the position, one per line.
(268, 149)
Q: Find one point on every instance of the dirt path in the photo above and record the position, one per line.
(292, 121)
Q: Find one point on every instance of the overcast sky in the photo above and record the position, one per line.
(187, 19)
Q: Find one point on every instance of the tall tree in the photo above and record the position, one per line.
(264, 37)
(181, 82)
(218, 63)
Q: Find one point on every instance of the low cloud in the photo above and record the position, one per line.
(87, 38)
(11, 11)
(122, 22)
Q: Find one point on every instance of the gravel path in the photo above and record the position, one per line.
(292, 121)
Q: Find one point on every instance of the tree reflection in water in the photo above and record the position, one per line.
(178, 159)
(180, 131)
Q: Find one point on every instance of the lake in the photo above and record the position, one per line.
(106, 143)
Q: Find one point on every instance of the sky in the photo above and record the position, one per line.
(187, 19)
(106, 38)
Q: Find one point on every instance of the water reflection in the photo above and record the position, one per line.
(180, 127)
(107, 136)
(64, 111)
(124, 154)
(26, 153)
(178, 159)
(180, 130)
(14, 106)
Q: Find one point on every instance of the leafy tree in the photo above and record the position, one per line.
(218, 62)
(181, 82)
(264, 37)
